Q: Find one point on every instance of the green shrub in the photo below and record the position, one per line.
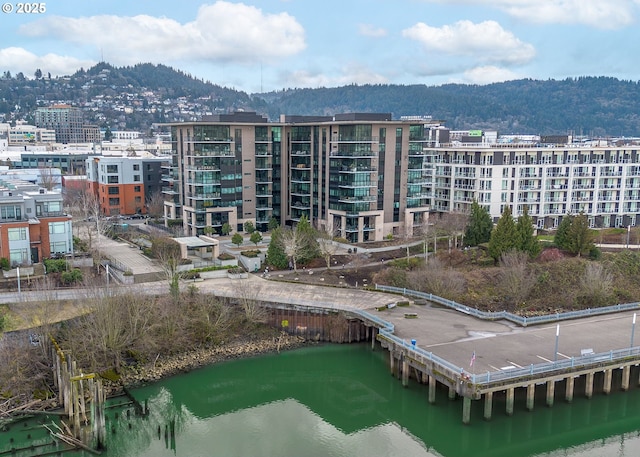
(251, 253)
(5, 264)
(192, 274)
(225, 256)
(71, 277)
(55, 265)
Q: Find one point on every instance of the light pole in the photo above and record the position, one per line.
(633, 329)
(555, 354)
(19, 292)
(628, 235)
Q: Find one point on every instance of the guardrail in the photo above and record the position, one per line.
(519, 320)
(573, 364)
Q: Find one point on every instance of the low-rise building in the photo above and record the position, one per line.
(33, 225)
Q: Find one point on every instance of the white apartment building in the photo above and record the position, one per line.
(551, 180)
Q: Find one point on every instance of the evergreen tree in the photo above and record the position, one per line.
(310, 249)
(580, 236)
(527, 242)
(276, 256)
(226, 229)
(561, 238)
(480, 225)
(504, 236)
(273, 224)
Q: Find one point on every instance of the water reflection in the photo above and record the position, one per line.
(342, 401)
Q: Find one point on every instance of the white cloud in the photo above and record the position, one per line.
(353, 74)
(489, 74)
(223, 31)
(486, 41)
(604, 14)
(17, 60)
(371, 31)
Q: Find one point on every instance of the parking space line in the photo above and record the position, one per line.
(514, 364)
(544, 358)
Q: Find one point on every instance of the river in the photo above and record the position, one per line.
(341, 401)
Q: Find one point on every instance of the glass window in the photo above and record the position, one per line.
(114, 190)
(136, 178)
(136, 167)
(112, 180)
(136, 188)
(57, 227)
(17, 234)
(112, 168)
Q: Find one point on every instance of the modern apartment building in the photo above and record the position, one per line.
(32, 223)
(123, 184)
(552, 177)
(65, 120)
(360, 175)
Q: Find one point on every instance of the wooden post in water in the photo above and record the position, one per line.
(509, 402)
(531, 393)
(551, 392)
(588, 385)
(606, 388)
(392, 362)
(626, 372)
(568, 395)
(488, 405)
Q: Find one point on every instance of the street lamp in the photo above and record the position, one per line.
(555, 354)
(633, 329)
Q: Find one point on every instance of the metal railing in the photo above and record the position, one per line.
(523, 321)
(573, 364)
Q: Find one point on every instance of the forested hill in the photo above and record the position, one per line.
(136, 96)
(590, 105)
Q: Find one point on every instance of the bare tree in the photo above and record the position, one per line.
(438, 280)
(155, 205)
(48, 179)
(167, 251)
(596, 284)
(328, 248)
(516, 280)
(252, 305)
(293, 244)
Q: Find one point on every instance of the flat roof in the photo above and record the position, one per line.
(193, 242)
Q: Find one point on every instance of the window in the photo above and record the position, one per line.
(136, 178)
(138, 199)
(10, 212)
(52, 207)
(112, 168)
(136, 167)
(17, 234)
(18, 256)
(58, 247)
(112, 179)
(114, 190)
(136, 188)
(114, 201)
(57, 227)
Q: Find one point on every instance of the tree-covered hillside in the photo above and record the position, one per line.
(137, 96)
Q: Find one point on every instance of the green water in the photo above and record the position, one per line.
(340, 400)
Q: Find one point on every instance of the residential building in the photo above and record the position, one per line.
(65, 120)
(366, 176)
(349, 172)
(32, 224)
(122, 184)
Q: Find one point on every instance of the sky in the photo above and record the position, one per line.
(266, 45)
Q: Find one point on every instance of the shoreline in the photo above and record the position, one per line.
(165, 367)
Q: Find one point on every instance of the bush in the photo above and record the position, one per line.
(251, 253)
(55, 265)
(5, 264)
(71, 277)
(225, 256)
(236, 270)
(190, 275)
